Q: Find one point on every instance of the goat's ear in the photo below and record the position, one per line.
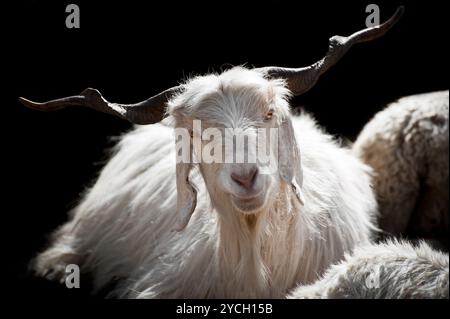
(186, 195)
(186, 192)
(289, 160)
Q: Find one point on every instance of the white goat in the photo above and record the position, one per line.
(406, 144)
(392, 270)
(122, 228)
(242, 233)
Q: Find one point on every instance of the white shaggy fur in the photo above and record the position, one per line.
(407, 146)
(384, 271)
(122, 229)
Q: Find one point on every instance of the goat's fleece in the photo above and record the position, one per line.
(122, 231)
(406, 144)
(391, 270)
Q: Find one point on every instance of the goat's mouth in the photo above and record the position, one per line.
(249, 204)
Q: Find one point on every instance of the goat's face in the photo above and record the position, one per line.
(236, 123)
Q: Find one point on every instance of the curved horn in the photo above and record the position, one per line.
(149, 111)
(152, 110)
(300, 80)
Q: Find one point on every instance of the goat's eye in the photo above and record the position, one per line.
(268, 115)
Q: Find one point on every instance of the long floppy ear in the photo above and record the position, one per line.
(289, 160)
(186, 192)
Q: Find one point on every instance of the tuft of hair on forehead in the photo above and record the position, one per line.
(236, 90)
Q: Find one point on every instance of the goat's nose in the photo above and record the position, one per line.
(246, 179)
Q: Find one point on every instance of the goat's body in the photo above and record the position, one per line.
(392, 270)
(406, 144)
(122, 228)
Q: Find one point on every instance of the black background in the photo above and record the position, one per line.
(130, 50)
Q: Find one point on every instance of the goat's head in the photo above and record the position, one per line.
(230, 120)
(236, 99)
